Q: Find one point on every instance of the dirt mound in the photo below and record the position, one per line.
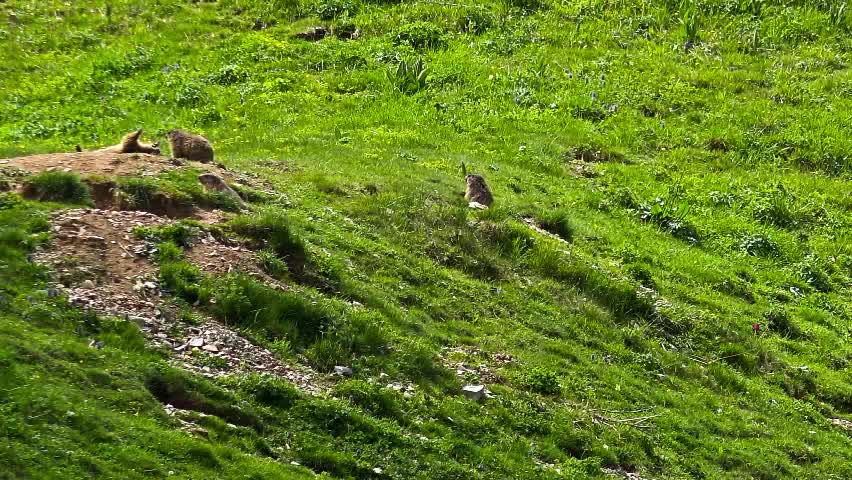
(105, 268)
(106, 196)
(104, 163)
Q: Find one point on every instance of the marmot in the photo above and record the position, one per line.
(214, 182)
(190, 146)
(130, 144)
(476, 190)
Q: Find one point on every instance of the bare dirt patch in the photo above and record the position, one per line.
(104, 267)
(105, 163)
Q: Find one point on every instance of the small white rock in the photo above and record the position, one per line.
(196, 342)
(343, 371)
(87, 284)
(474, 392)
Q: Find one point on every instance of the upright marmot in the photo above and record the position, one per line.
(131, 144)
(190, 146)
(476, 190)
(214, 182)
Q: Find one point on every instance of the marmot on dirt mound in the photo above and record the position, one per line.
(131, 144)
(476, 190)
(190, 146)
(214, 182)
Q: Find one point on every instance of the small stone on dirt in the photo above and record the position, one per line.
(87, 284)
(196, 342)
(474, 392)
(210, 348)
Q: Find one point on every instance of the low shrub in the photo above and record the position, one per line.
(241, 300)
(168, 252)
(558, 223)
(332, 9)
(57, 187)
(420, 35)
(184, 280)
(269, 390)
(373, 398)
(272, 229)
(776, 208)
(177, 388)
(271, 264)
(327, 352)
(760, 245)
(180, 234)
(779, 321)
(670, 218)
(541, 380)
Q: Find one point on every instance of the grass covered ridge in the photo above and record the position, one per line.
(689, 161)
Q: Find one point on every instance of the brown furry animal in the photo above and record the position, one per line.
(190, 146)
(476, 190)
(131, 144)
(214, 182)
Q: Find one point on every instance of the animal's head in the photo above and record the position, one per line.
(172, 133)
(474, 180)
(210, 180)
(156, 148)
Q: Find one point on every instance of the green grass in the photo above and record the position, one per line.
(57, 187)
(714, 195)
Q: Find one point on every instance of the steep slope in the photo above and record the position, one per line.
(661, 288)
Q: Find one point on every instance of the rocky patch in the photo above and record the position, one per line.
(103, 267)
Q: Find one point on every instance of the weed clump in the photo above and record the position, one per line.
(815, 276)
(181, 234)
(670, 218)
(271, 263)
(332, 9)
(527, 5)
(558, 223)
(240, 300)
(168, 252)
(409, 77)
(779, 321)
(371, 397)
(594, 154)
(420, 36)
(760, 245)
(269, 390)
(541, 380)
(57, 187)
(185, 281)
(327, 352)
(774, 208)
(272, 229)
(476, 22)
(175, 387)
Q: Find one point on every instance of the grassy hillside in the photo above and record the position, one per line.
(689, 162)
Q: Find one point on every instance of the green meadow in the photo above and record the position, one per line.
(686, 166)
